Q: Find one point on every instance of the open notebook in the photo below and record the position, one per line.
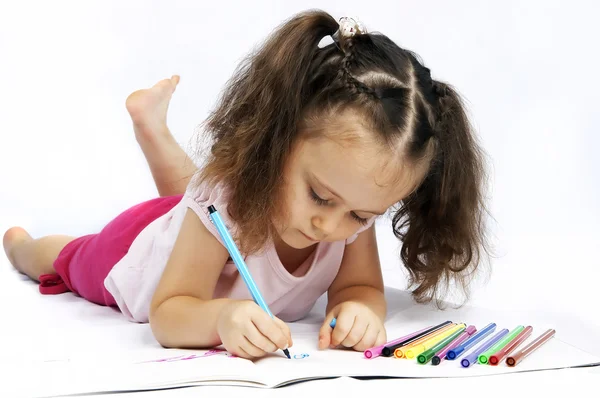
(156, 368)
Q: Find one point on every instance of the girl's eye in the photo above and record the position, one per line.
(360, 220)
(318, 200)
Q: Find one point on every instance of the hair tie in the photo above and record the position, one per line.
(348, 27)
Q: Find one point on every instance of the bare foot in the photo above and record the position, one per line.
(12, 238)
(148, 108)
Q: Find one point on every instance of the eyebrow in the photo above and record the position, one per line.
(333, 192)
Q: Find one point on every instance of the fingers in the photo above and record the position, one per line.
(325, 331)
(253, 344)
(251, 349)
(324, 337)
(356, 333)
(249, 332)
(175, 80)
(381, 337)
(353, 329)
(368, 339)
(286, 330)
(254, 336)
(270, 329)
(344, 324)
(240, 352)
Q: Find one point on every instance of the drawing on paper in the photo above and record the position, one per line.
(210, 353)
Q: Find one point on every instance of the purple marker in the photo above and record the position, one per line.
(472, 358)
(457, 351)
(440, 356)
(374, 352)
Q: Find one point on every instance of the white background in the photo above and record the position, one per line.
(528, 69)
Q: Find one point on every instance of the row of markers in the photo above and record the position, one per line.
(450, 341)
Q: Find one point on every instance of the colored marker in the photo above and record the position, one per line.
(440, 356)
(472, 358)
(374, 352)
(240, 263)
(484, 358)
(517, 357)
(388, 350)
(426, 345)
(456, 352)
(499, 356)
(426, 356)
(333, 323)
(401, 352)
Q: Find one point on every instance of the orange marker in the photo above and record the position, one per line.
(399, 352)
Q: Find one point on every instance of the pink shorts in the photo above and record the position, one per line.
(84, 263)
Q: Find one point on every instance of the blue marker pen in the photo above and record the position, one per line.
(240, 263)
(457, 351)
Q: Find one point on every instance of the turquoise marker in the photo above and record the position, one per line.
(240, 263)
(332, 323)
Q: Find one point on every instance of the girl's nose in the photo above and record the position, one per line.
(326, 224)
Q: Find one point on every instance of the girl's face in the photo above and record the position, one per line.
(333, 186)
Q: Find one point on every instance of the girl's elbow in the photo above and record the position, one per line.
(161, 329)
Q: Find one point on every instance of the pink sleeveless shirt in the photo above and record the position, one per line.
(290, 296)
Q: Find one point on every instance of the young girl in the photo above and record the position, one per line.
(310, 145)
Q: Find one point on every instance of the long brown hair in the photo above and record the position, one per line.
(290, 80)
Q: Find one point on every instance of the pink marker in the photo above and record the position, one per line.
(374, 352)
(440, 356)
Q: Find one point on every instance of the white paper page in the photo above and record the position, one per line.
(138, 369)
(185, 367)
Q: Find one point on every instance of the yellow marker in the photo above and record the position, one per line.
(400, 352)
(427, 344)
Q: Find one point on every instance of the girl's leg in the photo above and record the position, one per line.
(33, 257)
(170, 166)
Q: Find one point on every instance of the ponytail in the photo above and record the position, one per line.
(254, 125)
(445, 215)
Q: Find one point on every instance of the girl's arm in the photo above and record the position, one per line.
(359, 278)
(182, 312)
(356, 298)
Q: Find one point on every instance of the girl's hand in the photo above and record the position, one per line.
(247, 331)
(356, 326)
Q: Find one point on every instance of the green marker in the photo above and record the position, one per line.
(485, 357)
(426, 356)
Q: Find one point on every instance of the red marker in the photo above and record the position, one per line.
(500, 355)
